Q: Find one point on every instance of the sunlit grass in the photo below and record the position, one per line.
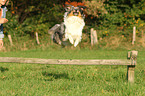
(70, 80)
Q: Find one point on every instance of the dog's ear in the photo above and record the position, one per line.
(82, 7)
(67, 7)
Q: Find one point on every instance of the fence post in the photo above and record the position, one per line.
(94, 39)
(37, 39)
(134, 34)
(10, 39)
(132, 55)
(130, 73)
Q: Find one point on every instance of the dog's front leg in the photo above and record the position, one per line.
(71, 39)
(78, 39)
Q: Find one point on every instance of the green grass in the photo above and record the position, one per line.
(70, 80)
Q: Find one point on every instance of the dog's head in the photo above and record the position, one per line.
(75, 9)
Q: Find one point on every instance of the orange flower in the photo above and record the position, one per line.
(91, 17)
(16, 7)
(13, 12)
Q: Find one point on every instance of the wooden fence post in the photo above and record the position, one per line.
(37, 39)
(131, 63)
(130, 73)
(132, 55)
(94, 39)
(10, 39)
(134, 34)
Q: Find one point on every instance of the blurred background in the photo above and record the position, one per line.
(112, 19)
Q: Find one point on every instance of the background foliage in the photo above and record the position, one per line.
(108, 17)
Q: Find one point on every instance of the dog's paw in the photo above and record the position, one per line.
(71, 40)
(78, 39)
(76, 43)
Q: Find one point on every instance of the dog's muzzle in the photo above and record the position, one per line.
(76, 11)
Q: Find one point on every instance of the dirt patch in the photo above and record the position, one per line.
(142, 41)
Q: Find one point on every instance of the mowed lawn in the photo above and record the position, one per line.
(70, 80)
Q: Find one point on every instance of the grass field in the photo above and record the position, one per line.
(70, 80)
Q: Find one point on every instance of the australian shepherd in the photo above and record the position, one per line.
(74, 22)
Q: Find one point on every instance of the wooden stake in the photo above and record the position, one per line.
(92, 42)
(130, 73)
(10, 39)
(94, 39)
(37, 38)
(132, 55)
(134, 34)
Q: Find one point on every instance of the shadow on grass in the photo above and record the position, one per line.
(2, 69)
(53, 76)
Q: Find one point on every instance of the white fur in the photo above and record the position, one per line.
(74, 26)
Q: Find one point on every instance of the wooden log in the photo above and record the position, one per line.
(10, 39)
(65, 61)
